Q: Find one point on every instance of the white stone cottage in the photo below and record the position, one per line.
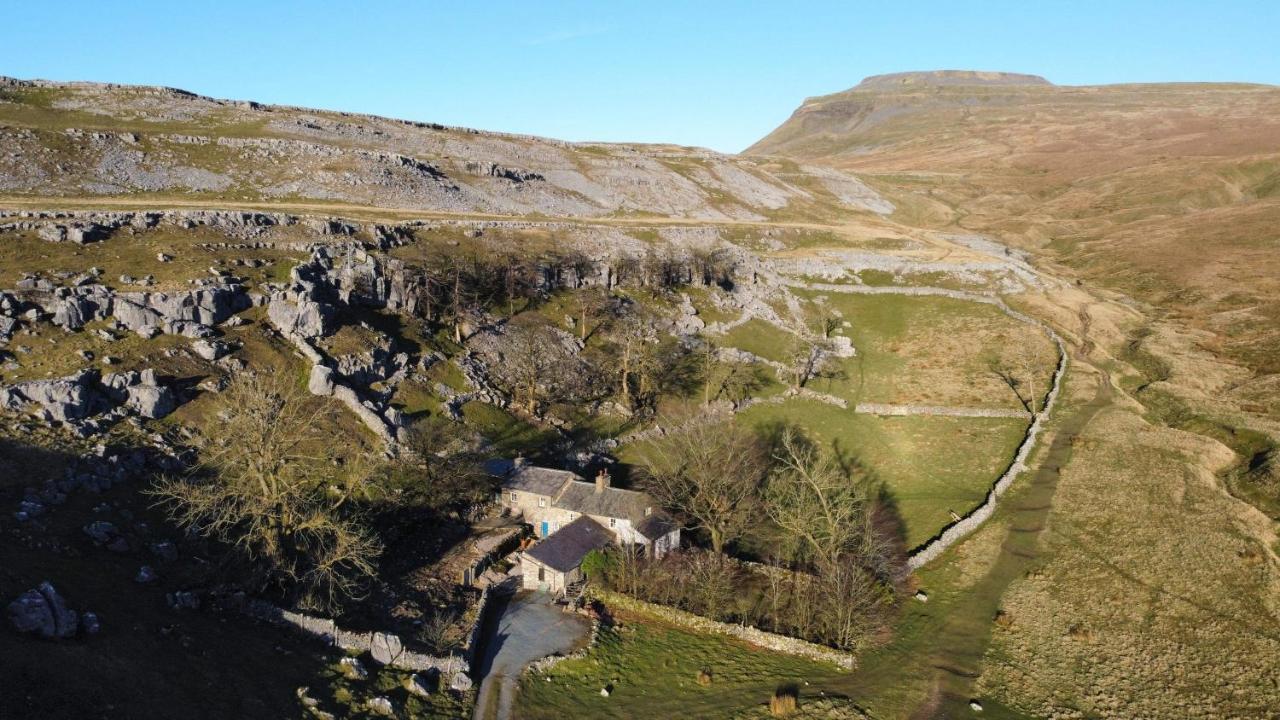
(556, 501)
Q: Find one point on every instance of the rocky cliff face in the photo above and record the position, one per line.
(84, 139)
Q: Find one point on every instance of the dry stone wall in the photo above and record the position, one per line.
(760, 638)
(386, 648)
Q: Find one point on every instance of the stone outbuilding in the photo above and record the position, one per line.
(555, 563)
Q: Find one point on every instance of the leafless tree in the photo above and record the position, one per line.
(442, 467)
(267, 487)
(710, 475)
(589, 304)
(537, 367)
(818, 501)
(1017, 365)
(724, 378)
(808, 360)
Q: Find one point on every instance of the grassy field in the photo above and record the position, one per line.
(930, 466)
(931, 351)
(652, 668)
(761, 339)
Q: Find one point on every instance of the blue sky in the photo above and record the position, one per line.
(715, 74)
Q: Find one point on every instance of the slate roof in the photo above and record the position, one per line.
(564, 549)
(656, 525)
(538, 480)
(568, 491)
(581, 497)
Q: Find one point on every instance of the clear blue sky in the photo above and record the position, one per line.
(716, 74)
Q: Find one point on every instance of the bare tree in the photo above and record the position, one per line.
(1017, 365)
(724, 378)
(442, 467)
(537, 367)
(816, 500)
(808, 360)
(266, 486)
(589, 303)
(710, 475)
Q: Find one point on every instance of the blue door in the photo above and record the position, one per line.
(544, 528)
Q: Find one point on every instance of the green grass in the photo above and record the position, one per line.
(930, 466)
(653, 669)
(136, 256)
(759, 338)
(509, 434)
(929, 350)
(700, 297)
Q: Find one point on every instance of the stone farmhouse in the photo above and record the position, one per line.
(573, 517)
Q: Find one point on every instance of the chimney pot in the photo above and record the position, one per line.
(602, 480)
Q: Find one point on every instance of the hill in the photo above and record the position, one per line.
(1039, 320)
(1158, 203)
(1166, 192)
(80, 140)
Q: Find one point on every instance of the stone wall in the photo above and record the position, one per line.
(970, 522)
(385, 648)
(766, 640)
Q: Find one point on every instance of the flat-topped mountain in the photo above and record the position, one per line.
(1168, 191)
(948, 77)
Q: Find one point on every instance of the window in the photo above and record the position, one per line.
(613, 522)
(542, 502)
(513, 497)
(542, 574)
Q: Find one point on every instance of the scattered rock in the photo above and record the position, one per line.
(460, 682)
(166, 551)
(382, 706)
(182, 600)
(43, 611)
(146, 575)
(922, 596)
(321, 382)
(385, 648)
(352, 668)
(418, 685)
(305, 698)
(210, 349)
(975, 706)
(101, 531)
(89, 621)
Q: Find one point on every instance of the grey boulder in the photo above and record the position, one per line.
(43, 611)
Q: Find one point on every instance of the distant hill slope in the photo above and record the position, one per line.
(1170, 192)
(89, 139)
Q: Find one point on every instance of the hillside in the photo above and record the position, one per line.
(1165, 192)
(83, 140)
(1032, 328)
(1158, 204)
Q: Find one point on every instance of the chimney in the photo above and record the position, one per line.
(602, 481)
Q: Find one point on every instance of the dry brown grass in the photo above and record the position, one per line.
(783, 703)
(1153, 600)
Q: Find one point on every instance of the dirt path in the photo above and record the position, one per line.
(962, 640)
